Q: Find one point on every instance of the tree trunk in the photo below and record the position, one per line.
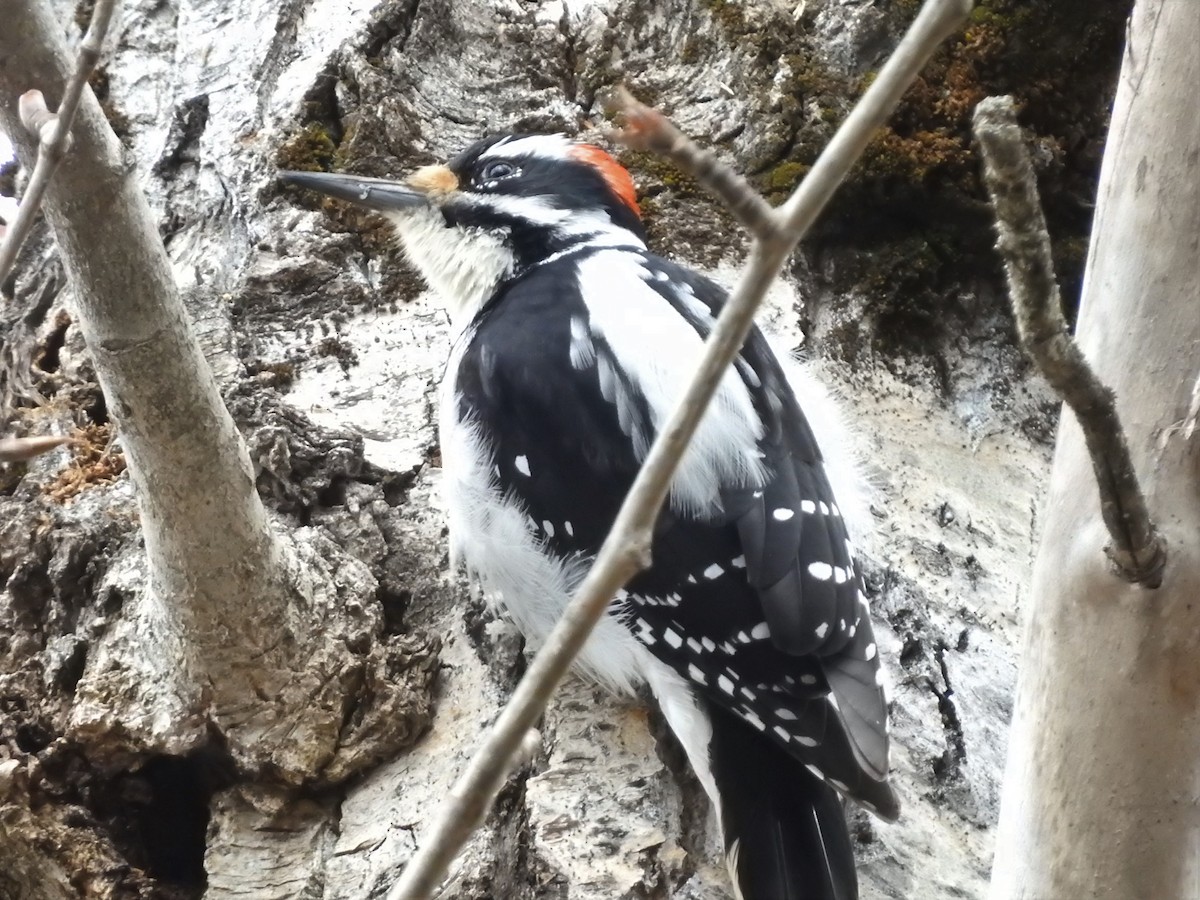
(1100, 796)
(326, 350)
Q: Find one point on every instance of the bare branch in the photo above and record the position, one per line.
(1137, 551)
(626, 550)
(54, 133)
(25, 448)
(644, 128)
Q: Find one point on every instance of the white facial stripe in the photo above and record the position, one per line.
(544, 146)
(566, 222)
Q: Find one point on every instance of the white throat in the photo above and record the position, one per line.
(463, 265)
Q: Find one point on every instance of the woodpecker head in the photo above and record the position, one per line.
(503, 205)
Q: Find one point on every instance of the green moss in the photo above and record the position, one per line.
(281, 375)
(312, 150)
(656, 174)
(778, 182)
(691, 50)
(728, 15)
(343, 152)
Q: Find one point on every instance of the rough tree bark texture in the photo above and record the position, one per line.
(327, 352)
(1101, 797)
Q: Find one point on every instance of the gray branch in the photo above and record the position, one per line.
(626, 550)
(248, 630)
(54, 132)
(1137, 551)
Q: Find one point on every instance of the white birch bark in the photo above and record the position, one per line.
(327, 354)
(1101, 789)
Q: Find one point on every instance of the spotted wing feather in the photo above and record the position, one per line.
(731, 602)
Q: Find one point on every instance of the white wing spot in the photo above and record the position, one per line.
(833, 508)
(841, 624)
(691, 579)
(569, 529)
(672, 638)
(822, 629)
(808, 679)
(749, 694)
(738, 562)
(805, 741)
(840, 575)
(786, 714)
(760, 632)
(742, 638)
(522, 464)
(837, 785)
(870, 651)
(693, 645)
(583, 351)
(709, 644)
(783, 514)
(853, 629)
(725, 684)
(697, 675)
(757, 495)
(813, 770)
(782, 732)
(807, 506)
(820, 570)
(713, 571)
(753, 720)
(548, 527)
(824, 508)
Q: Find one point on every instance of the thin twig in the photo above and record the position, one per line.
(626, 550)
(54, 134)
(1137, 551)
(645, 128)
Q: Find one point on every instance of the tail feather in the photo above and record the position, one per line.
(785, 831)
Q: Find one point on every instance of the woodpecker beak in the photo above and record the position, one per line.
(373, 193)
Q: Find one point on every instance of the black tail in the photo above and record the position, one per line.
(785, 831)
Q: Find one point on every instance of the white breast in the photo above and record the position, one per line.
(493, 537)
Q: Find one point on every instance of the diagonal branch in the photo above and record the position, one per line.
(1137, 551)
(54, 132)
(645, 128)
(626, 550)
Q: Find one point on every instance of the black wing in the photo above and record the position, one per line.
(762, 607)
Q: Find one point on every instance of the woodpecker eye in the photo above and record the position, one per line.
(496, 171)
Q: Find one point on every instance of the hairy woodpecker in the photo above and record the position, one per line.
(572, 344)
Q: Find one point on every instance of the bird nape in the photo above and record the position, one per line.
(572, 343)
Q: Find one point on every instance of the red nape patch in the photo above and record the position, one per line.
(614, 173)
